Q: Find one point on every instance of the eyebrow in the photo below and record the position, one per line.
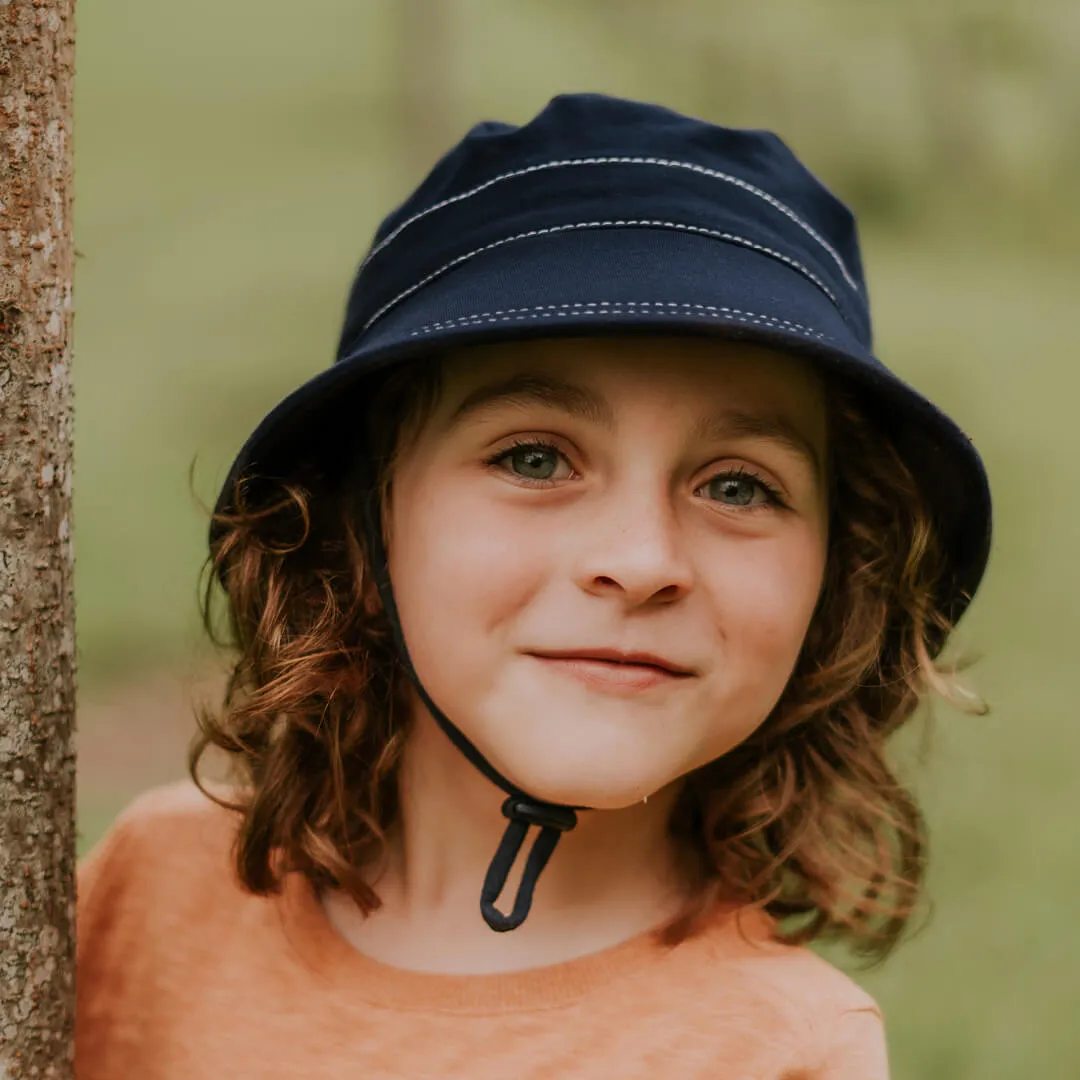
(524, 390)
(735, 424)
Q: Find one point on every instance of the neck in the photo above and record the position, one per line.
(612, 877)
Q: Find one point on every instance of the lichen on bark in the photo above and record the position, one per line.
(37, 645)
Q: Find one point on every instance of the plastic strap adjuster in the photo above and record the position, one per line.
(521, 814)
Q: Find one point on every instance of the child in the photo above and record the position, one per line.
(605, 516)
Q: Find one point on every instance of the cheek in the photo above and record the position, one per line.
(763, 598)
(771, 592)
(462, 567)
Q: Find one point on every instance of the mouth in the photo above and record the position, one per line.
(618, 659)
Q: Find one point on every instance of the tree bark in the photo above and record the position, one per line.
(37, 642)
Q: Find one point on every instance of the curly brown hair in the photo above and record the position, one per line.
(806, 818)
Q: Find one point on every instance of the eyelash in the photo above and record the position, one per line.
(741, 472)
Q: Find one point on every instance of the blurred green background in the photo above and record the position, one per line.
(232, 160)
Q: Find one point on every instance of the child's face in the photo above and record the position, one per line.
(636, 519)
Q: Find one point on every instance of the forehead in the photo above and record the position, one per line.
(696, 375)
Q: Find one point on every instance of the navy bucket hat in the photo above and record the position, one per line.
(605, 216)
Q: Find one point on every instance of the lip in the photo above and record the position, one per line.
(609, 676)
(616, 657)
(613, 670)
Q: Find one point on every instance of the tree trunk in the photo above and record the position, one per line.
(37, 643)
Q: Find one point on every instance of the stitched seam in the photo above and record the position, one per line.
(573, 308)
(622, 307)
(730, 237)
(661, 162)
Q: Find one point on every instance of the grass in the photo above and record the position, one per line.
(232, 161)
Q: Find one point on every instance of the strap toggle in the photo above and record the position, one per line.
(546, 815)
(522, 813)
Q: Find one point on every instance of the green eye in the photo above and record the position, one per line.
(738, 489)
(533, 462)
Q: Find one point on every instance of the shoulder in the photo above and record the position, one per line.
(793, 996)
(745, 945)
(167, 848)
(158, 899)
(175, 820)
(180, 804)
(159, 908)
(808, 982)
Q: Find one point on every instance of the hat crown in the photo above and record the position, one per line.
(594, 161)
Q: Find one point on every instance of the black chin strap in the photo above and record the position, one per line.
(522, 812)
(520, 809)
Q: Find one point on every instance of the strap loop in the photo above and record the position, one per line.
(553, 822)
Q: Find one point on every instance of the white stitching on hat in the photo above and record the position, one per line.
(730, 237)
(662, 162)
(574, 308)
(622, 307)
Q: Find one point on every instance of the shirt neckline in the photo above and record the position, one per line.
(354, 974)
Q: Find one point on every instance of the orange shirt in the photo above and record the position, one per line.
(183, 975)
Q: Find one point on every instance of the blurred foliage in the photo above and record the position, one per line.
(234, 156)
(908, 107)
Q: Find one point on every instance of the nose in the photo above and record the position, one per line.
(632, 548)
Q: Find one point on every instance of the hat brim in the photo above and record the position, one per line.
(638, 280)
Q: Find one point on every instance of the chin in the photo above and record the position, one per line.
(589, 794)
(599, 778)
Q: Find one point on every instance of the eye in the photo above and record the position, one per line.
(738, 488)
(533, 461)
